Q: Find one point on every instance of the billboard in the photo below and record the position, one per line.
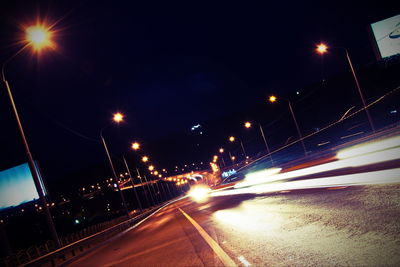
(17, 186)
(387, 36)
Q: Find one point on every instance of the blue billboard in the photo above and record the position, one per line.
(17, 186)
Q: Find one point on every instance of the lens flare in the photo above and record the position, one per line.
(199, 193)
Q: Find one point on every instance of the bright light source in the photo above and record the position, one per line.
(363, 149)
(151, 167)
(135, 146)
(232, 139)
(272, 99)
(155, 172)
(145, 158)
(322, 48)
(259, 177)
(221, 150)
(215, 157)
(199, 193)
(118, 117)
(233, 157)
(247, 124)
(39, 37)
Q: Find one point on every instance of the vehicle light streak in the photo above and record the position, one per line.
(199, 193)
(366, 178)
(368, 148)
(360, 155)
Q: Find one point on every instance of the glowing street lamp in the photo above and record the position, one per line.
(37, 38)
(155, 172)
(145, 158)
(135, 146)
(221, 150)
(232, 139)
(248, 125)
(118, 117)
(151, 168)
(273, 99)
(322, 49)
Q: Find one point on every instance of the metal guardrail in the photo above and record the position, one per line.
(73, 244)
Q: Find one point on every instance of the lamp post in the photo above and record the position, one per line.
(133, 185)
(273, 99)
(221, 150)
(144, 186)
(322, 49)
(232, 139)
(248, 125)
(118, 117)
(37, 37)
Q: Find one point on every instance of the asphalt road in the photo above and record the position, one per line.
(340, 226)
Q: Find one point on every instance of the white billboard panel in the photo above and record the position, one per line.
(387, 36)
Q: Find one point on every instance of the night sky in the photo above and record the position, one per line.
(167, 66)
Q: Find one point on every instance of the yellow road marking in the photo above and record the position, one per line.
(226, 260)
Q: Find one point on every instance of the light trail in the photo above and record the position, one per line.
(356, 156)
(367, 178)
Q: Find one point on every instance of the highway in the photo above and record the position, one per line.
(340, 211)
(319, 227)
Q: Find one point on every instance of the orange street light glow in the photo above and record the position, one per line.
(232, 139)
(247, 124)
(39, 37)
(155, 172)
(322, 48)
(135, 146)
(272, 99)
(221, 150)
(118, 117)
(145, 158)
(151, 167)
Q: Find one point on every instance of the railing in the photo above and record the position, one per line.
(74, 244)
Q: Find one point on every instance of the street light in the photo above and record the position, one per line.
(221, 150)
(38, 38)
(135, 146)
(322, 49)
(232, 139)
(151, 168)
(273, 99)
(117, 117)
(145, 158)
(133, 185)
(248, 125)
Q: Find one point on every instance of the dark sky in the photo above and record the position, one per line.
(167, 66)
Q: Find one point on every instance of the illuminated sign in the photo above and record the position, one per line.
(228, 173)
(387, 36)
(17, 186)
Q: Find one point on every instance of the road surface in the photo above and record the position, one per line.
(333, 226)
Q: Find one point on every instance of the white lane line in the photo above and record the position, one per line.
(226, 260)
(244, 261)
